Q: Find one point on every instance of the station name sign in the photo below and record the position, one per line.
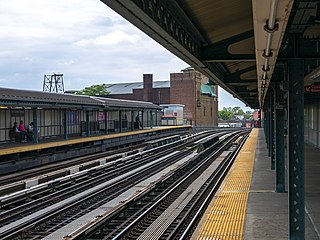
(313, 88)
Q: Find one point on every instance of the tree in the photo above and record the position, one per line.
(225, 114)
(94, 90)
(228, 113)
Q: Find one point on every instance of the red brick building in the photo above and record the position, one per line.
(189, 87)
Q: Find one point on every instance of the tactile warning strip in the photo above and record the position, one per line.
(225, 217)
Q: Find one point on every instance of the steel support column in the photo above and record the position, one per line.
(88, 123)
(65, 124)
(106, 122)
(296, 150)
(35, 125)
(120, 121)
(142, 119)
(132, 120)
(279, 141)
(151, 119)
(272, 130)
(260, 119)
(267, 124)
(148, 122)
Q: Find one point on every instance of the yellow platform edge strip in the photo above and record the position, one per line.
(82, 140)
(225, 216)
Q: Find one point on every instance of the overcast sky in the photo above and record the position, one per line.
(83, 39)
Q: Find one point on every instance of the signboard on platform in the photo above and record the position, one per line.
(313, 88)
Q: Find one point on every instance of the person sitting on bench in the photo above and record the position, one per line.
(21, 133)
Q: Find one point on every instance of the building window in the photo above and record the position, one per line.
(204, 111)
(211, 112)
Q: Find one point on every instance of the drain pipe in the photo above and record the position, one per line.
(270, 27)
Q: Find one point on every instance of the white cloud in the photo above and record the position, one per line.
(113, 38)
(83, 39)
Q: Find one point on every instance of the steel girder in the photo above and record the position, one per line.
(218, 52)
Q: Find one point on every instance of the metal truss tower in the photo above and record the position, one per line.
(53, 83)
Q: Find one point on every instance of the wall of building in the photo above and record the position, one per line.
(182, 91)
(207, 106)
(147, 93)
(199, 109)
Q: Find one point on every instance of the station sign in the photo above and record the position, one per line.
(313, 88)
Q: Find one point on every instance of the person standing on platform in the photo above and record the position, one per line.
(138, 123)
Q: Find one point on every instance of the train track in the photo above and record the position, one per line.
(18, 181)
(52, 211)
(172, 209)
(15, 177)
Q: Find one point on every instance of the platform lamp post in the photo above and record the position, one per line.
(35, 125)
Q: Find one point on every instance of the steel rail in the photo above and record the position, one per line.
(207, 195)
(89, 231)
(147, 212)
(64, 209)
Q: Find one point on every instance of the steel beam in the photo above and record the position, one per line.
(242, 82)
(35, 126)
(296, 150)
(279, 134)
(236, 75)
(218, 52)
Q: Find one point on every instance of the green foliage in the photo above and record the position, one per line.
(225, 114)
(94, 90)
(229, 113)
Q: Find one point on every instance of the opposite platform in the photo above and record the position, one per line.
(31, 147)
(20, 156)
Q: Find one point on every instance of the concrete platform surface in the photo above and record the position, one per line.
(267, 211)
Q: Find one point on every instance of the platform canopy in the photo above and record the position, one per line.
(241, 45)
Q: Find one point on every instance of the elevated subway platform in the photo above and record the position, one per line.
(18, 156)
(247, 206)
